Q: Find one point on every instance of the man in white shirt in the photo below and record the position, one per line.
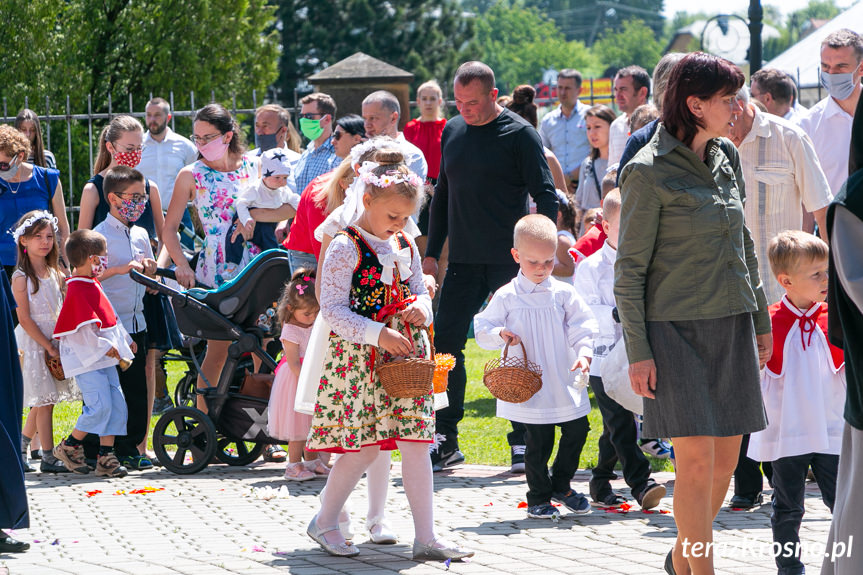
(563, 130)
(165, 153)
(775, 89)
(829, 121)
(783, 177)
(273, 130)
(631, 90)
(381, 112)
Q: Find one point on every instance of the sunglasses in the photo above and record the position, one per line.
(337, 135)
(6, 166)
(310, 115)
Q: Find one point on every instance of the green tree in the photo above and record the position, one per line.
(588, 20)
(634, 44)
(429, 38)
(520, 44)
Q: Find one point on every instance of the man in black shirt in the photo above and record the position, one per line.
(491, 161)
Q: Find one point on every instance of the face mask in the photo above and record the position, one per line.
(130, 210)
(213, 151)
(266, 141)
(13, 169)
(99, 268)
(129, 159)
(311, 128)
(839, 86)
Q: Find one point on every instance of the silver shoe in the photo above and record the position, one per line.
(428, 552)
(335, 549)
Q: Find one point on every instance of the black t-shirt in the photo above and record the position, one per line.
(485, 177)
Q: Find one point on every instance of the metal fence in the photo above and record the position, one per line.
(60, 122)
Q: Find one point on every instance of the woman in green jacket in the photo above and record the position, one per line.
(689, 297)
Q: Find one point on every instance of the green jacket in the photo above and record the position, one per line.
(684, 250)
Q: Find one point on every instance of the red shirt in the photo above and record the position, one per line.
(426, 137)
(588, 244)
(309, 217)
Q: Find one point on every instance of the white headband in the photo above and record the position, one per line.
(40, 215)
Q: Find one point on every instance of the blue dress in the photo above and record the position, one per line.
(14, 512)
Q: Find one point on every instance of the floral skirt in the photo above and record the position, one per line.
(353, 410)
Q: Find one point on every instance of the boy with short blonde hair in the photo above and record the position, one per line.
(556, 327)
(803, 386)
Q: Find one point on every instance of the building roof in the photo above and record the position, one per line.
(803, 59)
(360, 68)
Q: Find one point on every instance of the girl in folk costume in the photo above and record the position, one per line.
(298, 308)
(38, 287)
(803, 386)
(372, 292)
(92, 343)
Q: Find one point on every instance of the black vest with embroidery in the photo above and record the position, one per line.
(368, 293)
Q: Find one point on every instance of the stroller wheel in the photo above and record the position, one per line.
(184, 440)
(238, 453)
(184, 393)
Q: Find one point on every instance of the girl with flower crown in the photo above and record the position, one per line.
(373, 297)
(38, 286)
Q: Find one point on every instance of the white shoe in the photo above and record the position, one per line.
(380, 532)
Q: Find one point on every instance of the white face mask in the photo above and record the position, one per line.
(839, 86)
(99, 268)
(9, 174)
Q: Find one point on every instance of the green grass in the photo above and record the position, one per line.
(482, 435)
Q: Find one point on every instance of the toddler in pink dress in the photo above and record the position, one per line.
(298, 308)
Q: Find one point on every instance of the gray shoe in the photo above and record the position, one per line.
(162, 405)
(428, 551)
(336, 549)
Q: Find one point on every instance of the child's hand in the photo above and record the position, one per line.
(414, 315)
(582, 363)
(53, 351)
(149, 267)
(245, 230)
(509, 337)
(394, 342)
(113, 353)
(134, 265)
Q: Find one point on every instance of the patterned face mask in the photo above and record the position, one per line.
(99, 268)
(130, 159)
(131, 210)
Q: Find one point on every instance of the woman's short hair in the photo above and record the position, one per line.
(13, 142)
(702, 76)
(222, 120)
(353, 125)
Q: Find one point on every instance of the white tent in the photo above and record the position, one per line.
(803, 59)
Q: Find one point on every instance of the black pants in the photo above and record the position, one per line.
(539, 439)
(748, 481)
(464, 290)
(789, 483)
(133, 382)
(618, 442)
(264, 237)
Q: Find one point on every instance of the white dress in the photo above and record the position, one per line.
(40, 387)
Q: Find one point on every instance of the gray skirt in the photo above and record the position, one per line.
(707, 378)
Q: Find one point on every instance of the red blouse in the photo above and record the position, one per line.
(309, 217)
(426, 137)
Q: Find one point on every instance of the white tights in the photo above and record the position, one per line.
(417, 480)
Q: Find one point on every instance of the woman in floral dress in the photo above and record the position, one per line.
(212, 185)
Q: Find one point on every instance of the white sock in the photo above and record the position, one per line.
(419, 488)
(342, 479)
(378, 478)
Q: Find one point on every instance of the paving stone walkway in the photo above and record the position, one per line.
(213, 523)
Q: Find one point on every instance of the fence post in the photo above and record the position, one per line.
(70, 191)
(48, 122)
(131, 110)
(173, 127)
(110, 108)
(90, 126)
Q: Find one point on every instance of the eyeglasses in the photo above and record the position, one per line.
(201, 140)
(337, 135)
(310, 115)
(6, 166)
(137, 198)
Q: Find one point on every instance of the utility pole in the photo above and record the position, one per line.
(756, 17)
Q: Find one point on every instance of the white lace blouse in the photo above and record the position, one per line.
(336, 277)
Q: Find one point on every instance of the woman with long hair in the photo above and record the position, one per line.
(27, 122)
(598, 120)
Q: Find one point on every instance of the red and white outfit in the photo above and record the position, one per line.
(803, 386)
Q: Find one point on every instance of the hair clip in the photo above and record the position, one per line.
(301, 288)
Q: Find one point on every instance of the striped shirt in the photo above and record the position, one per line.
(782, 176)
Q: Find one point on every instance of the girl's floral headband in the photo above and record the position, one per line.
(387, 179)
(41, 215)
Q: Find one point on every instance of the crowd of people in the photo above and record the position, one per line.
(688, 232)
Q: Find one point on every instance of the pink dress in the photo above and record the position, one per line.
(284, 423)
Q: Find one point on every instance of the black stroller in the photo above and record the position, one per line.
(242, 311)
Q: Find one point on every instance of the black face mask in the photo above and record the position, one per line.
(266, 141)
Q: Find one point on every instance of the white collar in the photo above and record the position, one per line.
(760, 127)
(116, 224)
(797, 311)
(168, 133)
(834, 109)
(609, 253)
(528, 286)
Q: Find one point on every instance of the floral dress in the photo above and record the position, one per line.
(353, 410)
(40, 387)
(215, 199)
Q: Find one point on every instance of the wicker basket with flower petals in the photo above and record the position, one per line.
(512, 379)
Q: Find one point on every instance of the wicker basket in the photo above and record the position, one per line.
(54, 366)
(512, 379)
(410, 376)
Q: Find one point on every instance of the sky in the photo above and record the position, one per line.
(739, 6)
